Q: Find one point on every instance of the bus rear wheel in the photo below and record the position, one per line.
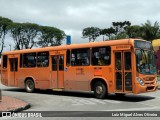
(29, 85)
(100, 90)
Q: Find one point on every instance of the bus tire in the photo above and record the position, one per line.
(29, 85)
(100, 90)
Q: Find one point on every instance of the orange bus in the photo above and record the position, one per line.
(116, 66)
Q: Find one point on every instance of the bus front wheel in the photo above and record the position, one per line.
(100, 90)
(29, 85)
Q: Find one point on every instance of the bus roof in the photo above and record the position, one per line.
(74, 46)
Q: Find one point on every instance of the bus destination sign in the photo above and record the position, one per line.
(142, 44)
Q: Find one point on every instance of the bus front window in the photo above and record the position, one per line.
(145, 61)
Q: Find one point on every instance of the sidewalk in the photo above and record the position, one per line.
(10, 104)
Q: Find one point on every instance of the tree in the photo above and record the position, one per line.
(121, 35)
(24, 34)
(150, 32)
(108, 32)
(4, 23)
(134, 31)
(117, 31)
(50, 36)
(30, 32)
(91, 32)
(119, 26)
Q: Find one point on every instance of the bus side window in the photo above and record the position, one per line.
(54, 63)
(118, 61)
(68, 58)
(43, 59)
(80, 57)
(127, 59)
(94, 60)
(101, 56)
(5, 59)
(29, 60)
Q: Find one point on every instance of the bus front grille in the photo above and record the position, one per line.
(149, 88)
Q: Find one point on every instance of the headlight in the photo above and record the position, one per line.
(140, 81)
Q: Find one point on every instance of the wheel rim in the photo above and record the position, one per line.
(99, 90)
(30, 85)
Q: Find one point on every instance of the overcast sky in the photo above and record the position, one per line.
(72, 16)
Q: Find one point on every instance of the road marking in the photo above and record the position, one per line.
(91, 101)
(105, 101)
(97, 101)
(79, 101)
(112, 101)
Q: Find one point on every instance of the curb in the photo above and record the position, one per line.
(18, 109)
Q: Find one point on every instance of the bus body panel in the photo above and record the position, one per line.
(77, 78)
(40, 76)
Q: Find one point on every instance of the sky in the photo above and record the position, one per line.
(72, 16)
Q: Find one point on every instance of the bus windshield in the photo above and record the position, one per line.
(145, 61)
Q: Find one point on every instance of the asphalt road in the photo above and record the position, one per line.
(45, 100)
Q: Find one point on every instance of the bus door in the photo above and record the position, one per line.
(123, 71)
(57, 71)
(13, 63)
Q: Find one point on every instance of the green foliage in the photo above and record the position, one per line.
(50, 36)
(108, 32)
(27, 35)
(150, 32)
(120, 26)
(16, 31)
(91, 32)
(30, 32)
(117, 31)
(4, 23)
(24, 34)
(134, 31)
(121, 30)
(122, 35)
